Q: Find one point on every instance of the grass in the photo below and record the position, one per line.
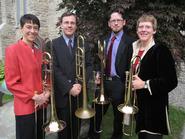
(177, 120)
(176, 117)
(7, 98)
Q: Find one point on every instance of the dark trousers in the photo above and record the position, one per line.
(28, 128)
(144, 135)
(114, 90)
(67, 114)
(1, 98)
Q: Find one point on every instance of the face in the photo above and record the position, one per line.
(145, 31)
(30, 32)
(116, 22)
(68, 25)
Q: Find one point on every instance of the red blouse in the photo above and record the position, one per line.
(137, 61)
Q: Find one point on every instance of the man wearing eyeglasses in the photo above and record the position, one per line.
(116, 61)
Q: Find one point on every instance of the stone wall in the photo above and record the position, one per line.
(45, 10)
(177, 96)
(7, 34)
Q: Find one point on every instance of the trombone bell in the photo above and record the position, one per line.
(54, 126)
(127, 109)
(85, 113)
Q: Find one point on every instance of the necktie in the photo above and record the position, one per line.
(109, 57)
(70, 46)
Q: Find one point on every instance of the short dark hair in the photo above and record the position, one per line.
(68, 13)
(29, 18)
(119, 10)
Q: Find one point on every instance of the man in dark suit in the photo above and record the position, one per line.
(66, 87)
(116, 62)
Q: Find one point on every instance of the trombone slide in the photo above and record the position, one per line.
(83, 112)
(53, 124)
(129, 108)
(128, 124)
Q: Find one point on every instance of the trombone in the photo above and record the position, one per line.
(83, 112)
(129, 108)
(53, 124)
(101, 99)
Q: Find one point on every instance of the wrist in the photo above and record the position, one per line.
(145, 85)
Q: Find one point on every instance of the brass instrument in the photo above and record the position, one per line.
(83, 112)
(102, 98)
(53, 124)
(129, 108)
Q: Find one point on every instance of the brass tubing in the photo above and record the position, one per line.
(83, 112)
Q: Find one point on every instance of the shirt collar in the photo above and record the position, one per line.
(118, 35)
(25, 44)
(136, 47)
(67, 39)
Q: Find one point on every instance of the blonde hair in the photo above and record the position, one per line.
(148, 18)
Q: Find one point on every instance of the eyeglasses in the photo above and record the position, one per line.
(144, 27)
(116, 21)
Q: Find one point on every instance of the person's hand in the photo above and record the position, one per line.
(47, 93)
(97, 78)
(75, 90)
(40, 99)
(137, 83)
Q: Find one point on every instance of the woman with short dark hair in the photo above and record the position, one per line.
(24, 80)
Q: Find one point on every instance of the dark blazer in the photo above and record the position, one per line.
(64, 69)
(122, 57)
(158, 67)
(121, 64)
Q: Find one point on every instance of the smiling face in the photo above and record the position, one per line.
(146, 28)
(30, 32)
(68, 25)
(145, 31)
(116, 22)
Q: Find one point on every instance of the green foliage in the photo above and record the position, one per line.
(176, 117)
(171, 21)
(1, 70)
(7, 98)
(177, 120)
(170, 14)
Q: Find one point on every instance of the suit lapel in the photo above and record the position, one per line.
(64, 48)
(121, 48)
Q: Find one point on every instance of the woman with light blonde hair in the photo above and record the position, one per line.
(156, 78)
